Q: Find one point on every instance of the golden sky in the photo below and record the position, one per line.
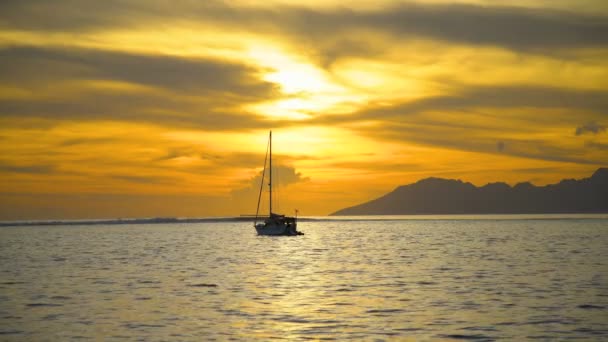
(147, 108)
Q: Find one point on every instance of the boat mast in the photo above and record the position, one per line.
(257, 210)
(270, 182)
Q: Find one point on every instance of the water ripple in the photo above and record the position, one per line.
(357, 280)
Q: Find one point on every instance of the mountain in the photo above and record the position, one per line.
(448, 196)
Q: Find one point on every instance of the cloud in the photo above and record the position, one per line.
(516, 28)
(340, 33)
(245, 197)
(282, 176)
(516, 96)
(205, 93)
(179, 152)
(140, 179)
(596, 145)
(84, 141)
(445, 135)
(479, 97)
(472, 118)
(211, 161)
(138, 108)
(38, 169)
(91, 15)
(375, 166)
(590, 127)
(203, 76)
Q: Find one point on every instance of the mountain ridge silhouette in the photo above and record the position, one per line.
(449, 196)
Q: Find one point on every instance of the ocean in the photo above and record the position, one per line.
(413, 278)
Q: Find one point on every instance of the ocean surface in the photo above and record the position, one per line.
(379, 278)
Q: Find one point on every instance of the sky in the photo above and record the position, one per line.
(150, 108)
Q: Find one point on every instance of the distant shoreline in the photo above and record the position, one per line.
(358, 218)
(87, 222)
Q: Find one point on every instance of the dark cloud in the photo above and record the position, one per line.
(205, 163)
(84, 141)
(214, 163)
(331, 50)
(203, 93)
(375, 167)
(64, 15)
(126, 108)
(247, 160)
(500, 97)
(597, 145)
(475, 128)
(193, 76)
(133, 107)
(538, 170)
(241, 159)
(335, 34)
(473, 98)
(89, 15)
(465, 140)
(591, 128)
(141, 179)
(516, 28)
(447, 136)
(38, 169)
(174, 153)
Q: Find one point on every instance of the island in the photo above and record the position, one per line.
(448, 196)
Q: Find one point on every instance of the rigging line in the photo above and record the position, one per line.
(261, 185)
(277, 194)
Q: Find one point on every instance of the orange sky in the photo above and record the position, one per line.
(162, 108)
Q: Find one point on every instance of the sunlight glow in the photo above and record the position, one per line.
(293, 109)
(309, 90)
(293, 74)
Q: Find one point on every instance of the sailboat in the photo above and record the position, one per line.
(274, 224)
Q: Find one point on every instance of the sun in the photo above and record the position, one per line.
(292, 73)
(306, 88)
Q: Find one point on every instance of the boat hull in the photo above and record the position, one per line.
(277, 229)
